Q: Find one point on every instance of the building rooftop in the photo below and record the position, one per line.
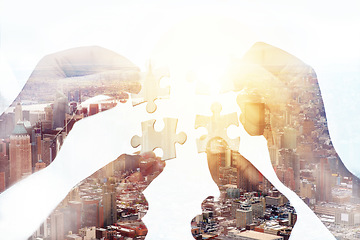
(19, 129)
(255, 235)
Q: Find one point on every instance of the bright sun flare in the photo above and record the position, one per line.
(203, 46)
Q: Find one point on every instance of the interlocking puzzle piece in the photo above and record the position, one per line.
(165, 139)
(217, 127)
(151, 89)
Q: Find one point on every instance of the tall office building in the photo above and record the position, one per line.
(290, 159)
(248, 177)
(290, 136)
(323, 183)
(214, 163)
(2, 182)
(18, 113)
(48, 122)
(4, 166)
(286, 176)
(109, 204)
(26, 115)
(19, 153)
(274, 155)
(216, 157)
(243, 217)
(93, 213)
(356, 187)
(57, 230)
(60, 109)
(308, 127)
(46, 150)
(72, 216)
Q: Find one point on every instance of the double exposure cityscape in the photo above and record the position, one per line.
(279, 98)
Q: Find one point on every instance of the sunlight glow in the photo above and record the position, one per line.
(210, 73)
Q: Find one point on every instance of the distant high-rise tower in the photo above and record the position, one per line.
(72, 216)
(2, 182)
(323, 184)
(48, 122)
(26, 115)
(290, 136)
(19, 153)
(4, 166)
(7, 124)
(60, 108)
(216, 152)
(46, 155)
(248, 177)
(308, 127)
(93, 214)
(290, 159)
(274, 155)
(109, 203)
(57, 226)
(18, 113)
(356, 187)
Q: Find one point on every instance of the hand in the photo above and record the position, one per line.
(274, 91)
(93, 68)
(281, 100)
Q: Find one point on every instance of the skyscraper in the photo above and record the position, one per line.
(308, 127)
(109, 203)
(7, 124)
(243, 217)
(48, 122)
(4, 166)
(290, 136)
(18, 113)
(60, 108)
(92, 213)
(356, 187)
(247, 175)
(2, 182)
(19, 153)
(323, 184)
(57, 225)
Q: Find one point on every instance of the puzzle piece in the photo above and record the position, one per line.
(165, 139)
(217, 127)
(151, 89)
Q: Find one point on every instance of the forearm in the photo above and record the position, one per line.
(92, 143)
(30, 201)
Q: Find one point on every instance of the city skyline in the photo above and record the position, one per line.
(290, 142)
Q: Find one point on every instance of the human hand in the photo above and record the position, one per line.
(273, 88)
(92, 143)
(280, 99)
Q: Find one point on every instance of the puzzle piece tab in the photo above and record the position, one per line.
(151, 89)
(217, 127)
(165, 139)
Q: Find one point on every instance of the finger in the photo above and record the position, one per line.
(252, 115)
(147, 155)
